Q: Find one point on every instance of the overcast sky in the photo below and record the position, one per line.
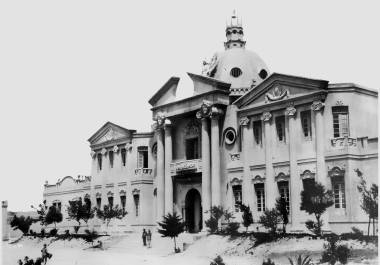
(67, 67)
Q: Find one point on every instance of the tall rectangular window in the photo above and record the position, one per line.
(99, 161)
(110, 155)
(260, 197)
(306, 123)
(257, 132)
(110, 200)
(142, 161)
(283, 188)
(123, 200)
(136, 199)
(98, 202)
(339, 192)
(280, 128)
(340, 121)
(192, 151)
(236, 190)
(123, 156)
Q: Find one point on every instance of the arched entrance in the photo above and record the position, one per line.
(193, 215)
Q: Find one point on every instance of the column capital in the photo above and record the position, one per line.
(317, 105)
(266, 116)
(4, 204)
(167, 125)
(208, 111)
(244, 121)
(290, 111)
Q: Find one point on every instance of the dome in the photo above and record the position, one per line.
(240, 67)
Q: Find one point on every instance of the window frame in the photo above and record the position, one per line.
(260, 196)
(306, 114)
(280, 120)
(339, 191)
(340, 121)
(257, 128)
(142, 157)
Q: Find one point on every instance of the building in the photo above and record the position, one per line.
(245, 135)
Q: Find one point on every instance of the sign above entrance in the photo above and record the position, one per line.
(194, 165)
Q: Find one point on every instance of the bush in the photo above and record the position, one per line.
(270, 220)
(300, 261)
(334, 252)
(314, 227)
(212, 225)
(22, 223)
(76, 229)
(42, 232)
(232, 228)
(216, 213)
(53, 232)
(217, 261)
(90, 235)
(268, 262)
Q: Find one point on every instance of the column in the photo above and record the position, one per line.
(270, 185)
(295, 180)
(215, 161)
(321, 175)
(206, 181)
(160, 175)
(4, 216)
(168, 160)
(247, 195)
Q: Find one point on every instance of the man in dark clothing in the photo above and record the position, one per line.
(144, 237)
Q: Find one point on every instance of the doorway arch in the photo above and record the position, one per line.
(193, 215)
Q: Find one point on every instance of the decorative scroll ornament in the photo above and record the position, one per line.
(205, 110)
(317, 105)
(277, 93)
(266, 116)
(244, 121)
(339, 103)
(215, 112)
(122, 193)
(136, 192)
(103, 151)
(128, 146)
(236, 181)
(160, 121)
(307, 174)
(209, 68)
(290, 111)
(115, 149)
(93, 154)
(336, 172)
(258, 179)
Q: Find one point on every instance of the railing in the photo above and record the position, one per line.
(143, 172)
(342, 142)
(193, 165)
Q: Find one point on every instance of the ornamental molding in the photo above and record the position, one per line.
(93, 154)
(235, 156)
(205, 110)
(339, 103)
(277, 93)
(103, 151)
(159, 121)
(115, 149)
(282, 177)
(307, 174)
(136, 192)
(236, 181)
(290, 111)
(128, 147)
(258, 179)
(98, 195)
(317, 105)
(110, 194)
(244, 121)
(122, 193)
(337, 171)
(266, 116)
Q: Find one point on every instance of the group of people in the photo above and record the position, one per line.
(147, 238)
(45, 255)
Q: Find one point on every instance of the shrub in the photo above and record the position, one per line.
(53, 216)
(268, 262)
(300, 261)
(247, 216)
(282, 209)
(334, 252)
(270, 220)
(232, 228)
(216, 213)
(171, 226)
(110, 212)
(217, 261)
(90, 235)
(53, 232)
(42, 232)
(212, 225)
(76, 229)
(314, 227)
(22, 223)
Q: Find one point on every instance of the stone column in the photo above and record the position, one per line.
(215, 159)
(168, 160)
(206, 181)
(160, 175)
(295, 180)
(270, 185)
(4, 219)
(247, 196)
(321, 175)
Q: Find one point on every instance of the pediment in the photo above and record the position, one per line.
(166, 94)
(204, 84)
(279, 87)
(109, 132)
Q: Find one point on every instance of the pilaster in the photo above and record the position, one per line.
(270, 185)
(4, 219)
(168, 160)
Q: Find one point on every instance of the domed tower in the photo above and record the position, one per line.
(242, 68)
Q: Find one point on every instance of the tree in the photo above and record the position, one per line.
(315, 199)
(216, 212)
(369, 200)
(21, 223)
(41, 211)
(53, 216)
(282, 209)
(110, 212)
(270, 220)
(247, 216)
(78, 211)
(171, 226)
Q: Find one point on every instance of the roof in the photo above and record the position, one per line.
(172, 81)
(107, 124)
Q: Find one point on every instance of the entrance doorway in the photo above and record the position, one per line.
(193, 215)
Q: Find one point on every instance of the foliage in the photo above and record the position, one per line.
(217, 261)
(247, 216)
(283, 212)
(76, 229)
(369, 200)
(53, 232)
(216, 212)
(110, 212)
(212, 225)
(90, 235)
(314, 227)
(300, 261)
(42, 233)
(231, 227)
(77, 210)
(334, 252)
(171, 226)
(315, 199)
(53, 216)
(41, 211)
(270, 220)
(268, 262)
(22, 223)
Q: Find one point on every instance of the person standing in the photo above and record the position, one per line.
(144, 234)
(149, 238)
(45, 254)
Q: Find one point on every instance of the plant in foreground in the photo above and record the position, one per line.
(218, 261)
(300, 261)
(268, 262)
(171, 226)
(334, 252)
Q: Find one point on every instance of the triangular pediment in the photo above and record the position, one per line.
(166, 94)
(109, 132)
(279, 87)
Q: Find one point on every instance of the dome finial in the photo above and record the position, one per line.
(234, 33)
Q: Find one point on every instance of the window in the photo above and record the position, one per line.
(100, 161)
(192, 151)
(236, 72)
(283, 188)
(340, 121)
(110, 155)
(236, 190)
(123, 156)
(306, 123)
(57, 205)
(280, 127)
(230, 136)
(260, 195)
(263, 74)
(110, 200)
(98, 202)
(142, 157)
(339, 192)
(123, 200)
(257, 132)
(136, 199)
(87, 201)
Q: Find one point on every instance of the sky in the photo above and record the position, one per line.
(68, 67)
